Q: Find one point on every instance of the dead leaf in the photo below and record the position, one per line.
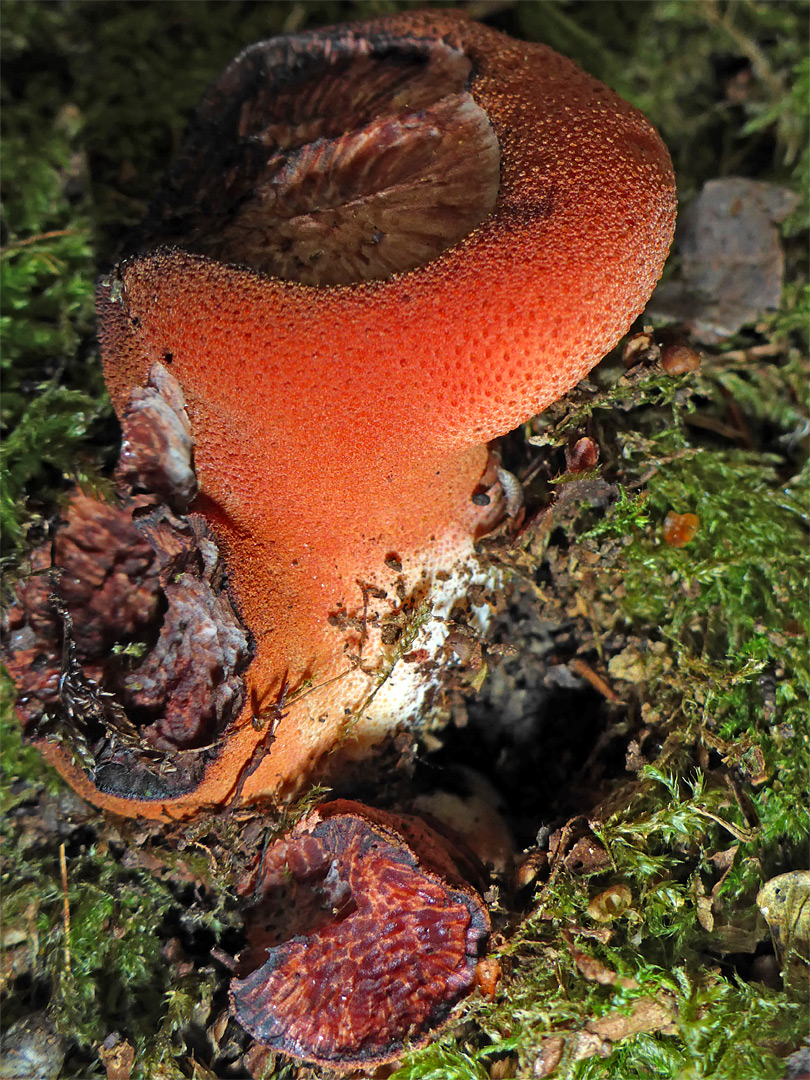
(117, 1057)
(734, 939)
(594, 970)
(703, 904)
(587, 1044)
(785, 903)
(732, 262)
(646, 1014)
(549, 1057)
(723, 860)
(258, 1061)
(587, 856)
(504, 1069)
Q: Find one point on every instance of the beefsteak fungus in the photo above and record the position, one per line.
(382, 246)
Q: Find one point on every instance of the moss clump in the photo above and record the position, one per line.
(51, 399)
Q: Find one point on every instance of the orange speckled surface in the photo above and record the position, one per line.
(336, 425)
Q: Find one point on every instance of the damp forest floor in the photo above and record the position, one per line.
(647, 722)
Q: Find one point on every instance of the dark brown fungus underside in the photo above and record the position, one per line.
(364, 936)
(332, 160)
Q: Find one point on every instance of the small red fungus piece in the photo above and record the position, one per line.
(680, 529)
(582, 455)
(364, 933)
(488, 974)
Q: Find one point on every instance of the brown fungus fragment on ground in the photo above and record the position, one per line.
(363, 934)
(125, 649)
(123, 643)
(105, 575)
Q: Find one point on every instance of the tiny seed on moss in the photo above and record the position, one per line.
(679, 359)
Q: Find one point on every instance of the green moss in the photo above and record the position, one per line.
(20, 765)
(107, 967)
(725, 1030)
(46, 278)
(440, 1060)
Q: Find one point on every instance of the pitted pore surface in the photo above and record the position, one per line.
(365, 947)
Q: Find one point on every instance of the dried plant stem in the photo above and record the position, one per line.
(54, 234)
(582, 668)
(65, 905)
